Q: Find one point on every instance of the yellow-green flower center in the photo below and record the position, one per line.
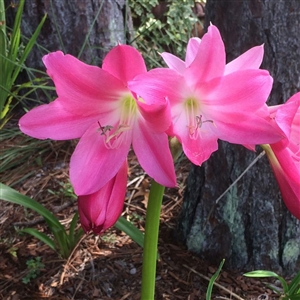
(128, 112)
(194, 117)
(191, 110)
(129, 107)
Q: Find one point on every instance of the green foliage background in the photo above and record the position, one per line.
(167, 34)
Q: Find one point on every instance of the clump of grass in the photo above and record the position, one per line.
(13, 54)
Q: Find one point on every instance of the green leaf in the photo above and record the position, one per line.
(212, 280)
(59, 232)
(12, 62)
(11, 195)
(3, 49)
(135, 234)
(15, 40)
(28, 48)
(5, 109)
(73, 236)
(73, 224)
(61, 239)
(78, 235)
(292, 297)
(263, 273)
(41, 236)
(294, 286)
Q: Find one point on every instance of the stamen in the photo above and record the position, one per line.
(200, 122)
(191, 107)
(114, 135)
(195, 122)
(104, 129)
(112, 139)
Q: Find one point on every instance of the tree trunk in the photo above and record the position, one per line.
(250, 226)
(87, 29)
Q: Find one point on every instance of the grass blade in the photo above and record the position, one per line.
(15, 35)
(73, 224)
(212, 280)
(73, 236)
(294, 286)
(3, 49)
(28, 48)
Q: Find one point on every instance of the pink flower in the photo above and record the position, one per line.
(97, 106)
(102, 209)
(284, 156)
(210, 100)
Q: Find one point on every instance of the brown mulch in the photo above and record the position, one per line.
(108, 266)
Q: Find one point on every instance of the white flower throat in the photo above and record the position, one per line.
(114, 135)
(194, 118)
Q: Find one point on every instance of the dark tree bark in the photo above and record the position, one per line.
(94, 25)
(87, 29)
(250, 226)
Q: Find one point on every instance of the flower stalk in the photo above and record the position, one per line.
(151, 241)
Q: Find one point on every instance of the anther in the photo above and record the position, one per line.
(104, 129)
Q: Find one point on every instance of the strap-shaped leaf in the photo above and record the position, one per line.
(11, 195)
(41, 236)
(135, 234)
(294, 286)
(263, 273)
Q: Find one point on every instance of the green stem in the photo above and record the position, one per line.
(151, 241)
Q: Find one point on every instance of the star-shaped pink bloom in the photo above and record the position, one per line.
(210, 100)
(284, 156)
(96, 105)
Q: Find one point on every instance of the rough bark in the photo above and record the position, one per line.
(250, 226)
(94, 25)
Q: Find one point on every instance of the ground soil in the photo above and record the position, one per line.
(100, 267)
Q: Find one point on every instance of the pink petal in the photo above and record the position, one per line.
(251, 59)
(199, 150)
(124, 62)
(247, 129)
(226, 96)
(159, 85)
(250, 147)
(290, 193)
(233, 107)
(157, 115)
(210, 59)
(285, 114)
(191, 51)
(153, 153)
(100, 210)
(290, 189)
(174, 62)
(54, 122)
(93, 164)
(289, 165)
(295, 136)
(82, 89)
